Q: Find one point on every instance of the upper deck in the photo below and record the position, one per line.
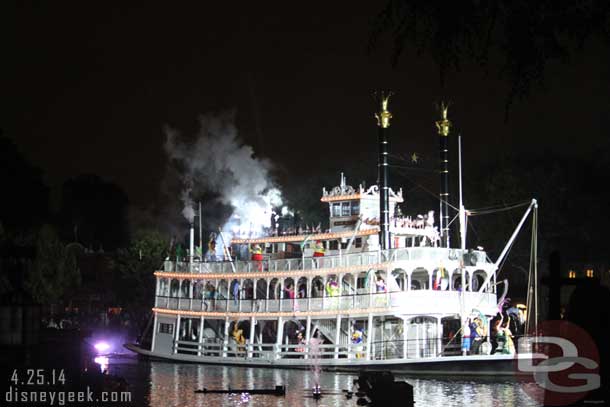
(416, 257)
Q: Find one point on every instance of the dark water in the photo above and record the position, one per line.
(161, 384)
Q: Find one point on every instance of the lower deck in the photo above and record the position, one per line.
(406, 343)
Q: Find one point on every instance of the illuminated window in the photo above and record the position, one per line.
(345, 209)
(336, 209)
(589, 273)
(572, 274)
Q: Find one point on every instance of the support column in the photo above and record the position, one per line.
(176, 334)
(225, 340)
(240, 294)
(200, 340)
(307, 335)
(157, 293)
(369, 337)
(267, 295)
(417, 341)
(154, 333)
(439, 333)
(405, 328)
(228, 296)
(309, 290)
(337, 336)
(252, 332)
(279, 339)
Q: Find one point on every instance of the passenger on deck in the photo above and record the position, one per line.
(380, 283)
(300, 342)
(235, 292)
(466, 337)
(211, 254)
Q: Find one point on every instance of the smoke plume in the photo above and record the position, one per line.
(217, 163)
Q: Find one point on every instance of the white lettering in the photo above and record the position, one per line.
(592, 380)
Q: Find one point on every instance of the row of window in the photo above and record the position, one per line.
(346, 208)
(166, 328)
(588, 273)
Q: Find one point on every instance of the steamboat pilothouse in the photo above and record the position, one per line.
(373, 292)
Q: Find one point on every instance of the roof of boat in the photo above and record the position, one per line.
(301, 238)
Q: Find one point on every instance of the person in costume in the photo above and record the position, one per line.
(238, 335)
(506, 335)
(257, 255)
(332, 288)
(318, 251)
(357, 339)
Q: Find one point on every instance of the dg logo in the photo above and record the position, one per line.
(559, 364)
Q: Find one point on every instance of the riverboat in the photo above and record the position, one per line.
(368, 293)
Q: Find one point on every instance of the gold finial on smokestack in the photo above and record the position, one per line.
(443, 125)
(384, 116)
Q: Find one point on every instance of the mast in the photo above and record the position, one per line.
(443, 126)
(383, 122)
(462, 210)
(200, 231)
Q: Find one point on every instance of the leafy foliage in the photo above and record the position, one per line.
(523, 34)
(135, 266)
(94, 212)
(55, 271)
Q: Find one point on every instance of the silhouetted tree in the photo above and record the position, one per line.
(524, 35)
(54, 272)
(134, 268)
(94, 213)
(25, 198)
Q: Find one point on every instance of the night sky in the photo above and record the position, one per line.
(88, 89)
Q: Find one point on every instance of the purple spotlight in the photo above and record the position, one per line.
(101, 346)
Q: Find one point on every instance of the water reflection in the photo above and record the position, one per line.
(161, 384)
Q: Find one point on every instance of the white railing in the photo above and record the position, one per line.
(434, 254)
(380, 350)
(399, 302)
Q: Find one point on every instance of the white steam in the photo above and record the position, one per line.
(217, 161)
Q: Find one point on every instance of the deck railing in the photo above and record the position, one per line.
(379, 350)
(434, 254)
(397, 299)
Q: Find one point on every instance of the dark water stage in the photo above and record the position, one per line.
(161, 384)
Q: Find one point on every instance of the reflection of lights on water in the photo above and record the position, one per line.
(101, 346)
(102, 361)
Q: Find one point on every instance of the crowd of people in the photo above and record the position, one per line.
(506, 327)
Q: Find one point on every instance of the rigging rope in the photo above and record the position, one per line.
(427, 190)
(491, 209)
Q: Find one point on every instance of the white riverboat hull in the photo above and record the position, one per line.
(474, 365)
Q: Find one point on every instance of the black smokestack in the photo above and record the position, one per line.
(383, 122)
(443, 127)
